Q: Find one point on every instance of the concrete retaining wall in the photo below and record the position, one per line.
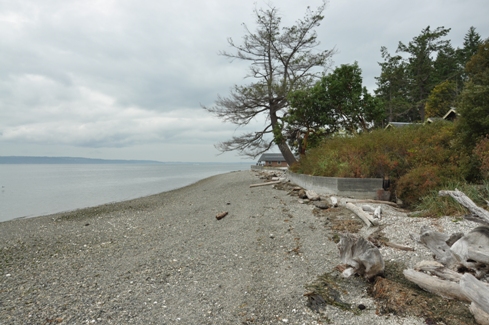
(358, 188)
(257, 167)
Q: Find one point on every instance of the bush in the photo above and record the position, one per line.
(417, 158)
(481, 151)
(419, 182)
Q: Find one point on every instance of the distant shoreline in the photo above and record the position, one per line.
(37, 160)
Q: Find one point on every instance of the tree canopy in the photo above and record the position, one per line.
(337, 102)
(282, 59)
(426, 64)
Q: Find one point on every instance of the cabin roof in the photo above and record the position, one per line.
(272, 157)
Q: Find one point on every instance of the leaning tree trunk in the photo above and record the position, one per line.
(288, 155)
(282, 144)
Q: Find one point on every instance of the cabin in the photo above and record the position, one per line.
(272, 160)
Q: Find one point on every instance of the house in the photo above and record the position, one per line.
(272, 160)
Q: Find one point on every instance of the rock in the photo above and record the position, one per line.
(302, 194)
(313, 196)
(321, 205)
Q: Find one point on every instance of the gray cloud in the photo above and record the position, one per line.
(118, 78)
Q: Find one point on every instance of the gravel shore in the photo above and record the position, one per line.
(166, 259)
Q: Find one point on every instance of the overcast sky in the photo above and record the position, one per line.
(125, 79)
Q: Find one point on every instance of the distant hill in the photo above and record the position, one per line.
(69, 160)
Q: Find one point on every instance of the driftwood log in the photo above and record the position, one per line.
(443, 288)
(265, 184)
(221, 215)
(464, 200)
(360, 256)
(475, 291)
(460, 261)
(366, 218)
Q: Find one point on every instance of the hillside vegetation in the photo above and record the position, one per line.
(418, 160)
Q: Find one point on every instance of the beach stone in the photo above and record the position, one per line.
(321, 205)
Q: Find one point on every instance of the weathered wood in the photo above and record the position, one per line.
(377, 201)
(481, 317)
(436, 242)
(264, 184)
(366, 218)
(472, 250)
(398, 246)
(439, 270)
(464, 200)
(362, 257)
(378, 212)
(474, 290)
(221, 215)
(334, 201)
(443, 288)
(368, 208)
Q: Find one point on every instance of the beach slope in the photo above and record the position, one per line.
(166, 259)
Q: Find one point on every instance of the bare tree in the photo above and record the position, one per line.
(282, 59)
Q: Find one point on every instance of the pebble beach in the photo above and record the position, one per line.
(166, 259)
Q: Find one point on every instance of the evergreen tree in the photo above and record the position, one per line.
(421, 65)
(392, 87)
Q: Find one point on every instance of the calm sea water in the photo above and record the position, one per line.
(35, 190)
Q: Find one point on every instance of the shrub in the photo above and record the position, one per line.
(481, 151)
(419, 182)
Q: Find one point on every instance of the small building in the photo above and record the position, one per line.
(451, 114)
(272, 160)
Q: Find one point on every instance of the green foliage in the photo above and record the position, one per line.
(392, 86)
(481, 151)
(433, 205)
(415, 158)
(418, 182)
(407, 81)
(473, 107)
(441, 99)
(338, 102)
(421, 65)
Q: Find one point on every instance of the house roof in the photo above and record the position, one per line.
(271, 157)
(451, 114)
(398, 124)
(433, 119)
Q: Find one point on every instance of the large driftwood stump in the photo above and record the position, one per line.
(472, 251)
(436, 242)
(361, 257)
